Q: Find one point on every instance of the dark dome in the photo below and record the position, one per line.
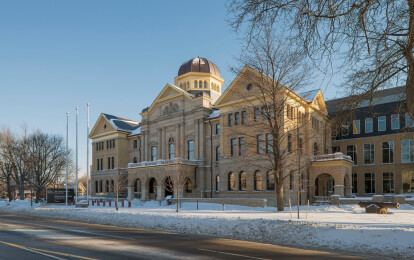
(199, 65)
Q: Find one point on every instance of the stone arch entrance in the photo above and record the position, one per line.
(324, 185)
(152, 191)
(137, 189)
(169, 186)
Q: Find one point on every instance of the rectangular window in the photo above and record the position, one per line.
(369, 125)
(233, 147)
(98, 168)
(244, 117)
(354, 183)
(217, 153)
(260, 144)
(107, 144)
(408, 121)
(408, 181)
(382, 123)
(96, 146)
(370, 183)
(109, 162)
(241, 146)
(351, 151)
(153, 153)
(356, 127)
(345, 130)
(272, 112)
(113, 143)
(269, 143)
(388, 182)
(237, 118)
(101, 164)
(289, 143)
(388, 152)
(256, 114)
(369, 153)
(217, 129)
(407, 150)
(291, 180)
(264, 113)
(395, 121)
(190, 146)
(113, 162)
(230, 119)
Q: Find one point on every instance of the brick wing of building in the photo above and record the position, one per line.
(219, 142)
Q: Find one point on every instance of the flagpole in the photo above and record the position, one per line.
(76, 192)
(87, 156)
(67, 155)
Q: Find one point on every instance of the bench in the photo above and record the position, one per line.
(378, 207)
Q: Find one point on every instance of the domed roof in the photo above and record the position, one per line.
(199, 65)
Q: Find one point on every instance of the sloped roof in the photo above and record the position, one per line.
(310, 95)
(214, 114)
(122, 124)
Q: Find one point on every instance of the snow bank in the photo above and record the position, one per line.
(347, 229)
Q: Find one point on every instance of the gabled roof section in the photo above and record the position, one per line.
(214, 114)
(310, 95)
(168, 92)
(122, 124)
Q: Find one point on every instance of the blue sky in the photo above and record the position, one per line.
(116, 55)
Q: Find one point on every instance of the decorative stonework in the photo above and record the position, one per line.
(170, 108)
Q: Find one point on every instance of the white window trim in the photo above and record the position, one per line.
(385, 122)
(398, 116)
(372, 122)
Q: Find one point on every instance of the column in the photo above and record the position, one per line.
(130, 193)
(201, 139)
(177, 141)
(164, 143)
(196, 141)
(145, 146)
(159, 148)
(339, 190)
(144, 191)
(348, 191)
(160, 193)
(182, 141)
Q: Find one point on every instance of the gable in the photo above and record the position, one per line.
(102, 126)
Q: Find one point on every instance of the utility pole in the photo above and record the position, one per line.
(87, 155)
(67, 155)
(76, 184)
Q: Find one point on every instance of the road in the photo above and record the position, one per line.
(38, 238)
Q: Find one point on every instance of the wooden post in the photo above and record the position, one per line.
(307, 209)
(290, 207)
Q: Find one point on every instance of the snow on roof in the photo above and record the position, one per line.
(310, 95)
(214, 114)
(136, 131)
(122, 124)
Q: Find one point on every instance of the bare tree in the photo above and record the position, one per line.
(375, 39)
(6, 163)
(279, 115)
(120, 185)
(19, 159)
(179, 177)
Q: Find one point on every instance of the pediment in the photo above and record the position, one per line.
(102, 126)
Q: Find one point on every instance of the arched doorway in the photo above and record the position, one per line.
(169, 186)
(324, 185)
(152, 191)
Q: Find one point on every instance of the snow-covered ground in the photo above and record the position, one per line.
(347, 228)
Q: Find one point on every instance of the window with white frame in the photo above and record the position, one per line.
(395, 121)
(369, 153)
(369, 125)
(382, 123)
(388, 182)
(407, 150)
(153, 153)
(190, 147)
(408, 121)
(388, 152)
(351, 151)
(233, 142)
(408, 181)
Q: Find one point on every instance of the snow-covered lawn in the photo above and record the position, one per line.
(347, 228)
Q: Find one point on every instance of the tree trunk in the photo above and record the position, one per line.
(410, 91)
(116, 201)
(9, 189)
(177, 201)
(279, 196)
(21, 192)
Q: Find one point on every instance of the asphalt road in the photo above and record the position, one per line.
(37, 238)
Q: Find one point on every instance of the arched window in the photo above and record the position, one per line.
(107, 186)
(200, 84)
(315, 148)
(217, 153)
(270, 181)
(112, 186)
(205, 84)
(96, 187)
(171, 150)
(188, 186)
(242, 181)
(232, 182)
(195, 83)
(217, 182)
(135, 160)
(257, 181)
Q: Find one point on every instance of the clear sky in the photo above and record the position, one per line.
(116, 55)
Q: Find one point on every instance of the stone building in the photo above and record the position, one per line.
(195, 141)
(379, 136)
